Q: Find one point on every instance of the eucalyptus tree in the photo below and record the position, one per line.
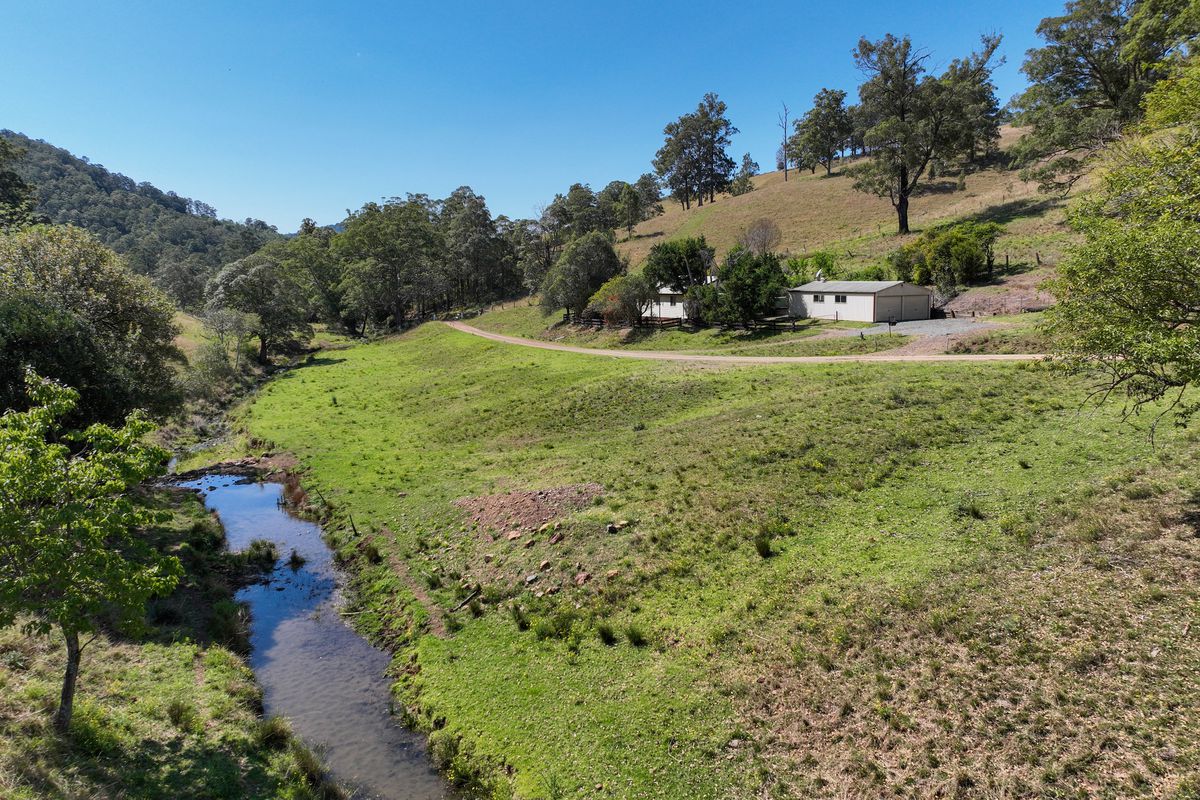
(825, 129)
(918, 118)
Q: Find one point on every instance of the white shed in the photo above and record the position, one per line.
(861, 301)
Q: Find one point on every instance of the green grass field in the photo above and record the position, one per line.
(526, 320)
(173, 712)
(829, 581)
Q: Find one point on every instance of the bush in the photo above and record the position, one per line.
(183, 715)
(261, 554)
(606, 633)
(636, 636)
(519, 617)
(762, 544)
(948, 256)
(272, 733)
(622, 300)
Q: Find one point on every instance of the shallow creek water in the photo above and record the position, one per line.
(314, 670)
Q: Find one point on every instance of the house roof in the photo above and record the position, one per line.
(846, 287)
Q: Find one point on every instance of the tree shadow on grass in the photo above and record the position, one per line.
(99, 751)
(1016, 209)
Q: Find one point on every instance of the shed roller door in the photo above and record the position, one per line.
(888, 307)
(915, 307)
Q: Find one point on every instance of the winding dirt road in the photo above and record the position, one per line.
(662, 355)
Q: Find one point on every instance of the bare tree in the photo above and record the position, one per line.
(762, 237)
(783, 148)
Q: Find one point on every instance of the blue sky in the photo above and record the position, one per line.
(286, 110)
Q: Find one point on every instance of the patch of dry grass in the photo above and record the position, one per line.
(1069, 671)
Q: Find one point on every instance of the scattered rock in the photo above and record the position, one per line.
(487, 558)
(612, 573)
(582, 578)
(513, 535)
(529, 543)
(545, 565)
(530, 578)
(556, 538)
(622, 524)
(612, 527)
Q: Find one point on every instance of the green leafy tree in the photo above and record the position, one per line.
(1087, 82)
(693, 161)
(308, 259)
(651, 196)
(258, 285)
(919, 118)
(628, 208)
(583, 268)
(1128, 308)
(743, 182)
(748, 285)
(66, 272)
(624, 299)
(70, 558)
(679, 264)
(826, 127)
(392, 259)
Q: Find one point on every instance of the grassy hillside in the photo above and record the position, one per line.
(815, 212)
(829, 581)
(171, 713)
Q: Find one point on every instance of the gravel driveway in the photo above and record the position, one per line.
(928, 327)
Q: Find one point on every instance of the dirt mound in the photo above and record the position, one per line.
(524, 511)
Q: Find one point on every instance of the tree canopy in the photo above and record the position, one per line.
(1087, 82)
(693, 162)
(1128, 306)
(583, 268)
(177, 241)
(919, 119)
(59, 280)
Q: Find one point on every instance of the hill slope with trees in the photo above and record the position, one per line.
(177, 241)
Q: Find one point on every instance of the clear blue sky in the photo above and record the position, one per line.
(285, 110)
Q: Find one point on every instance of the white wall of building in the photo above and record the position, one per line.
(857, 307)
(664, 307)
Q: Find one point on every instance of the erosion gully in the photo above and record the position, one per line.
(314, 669)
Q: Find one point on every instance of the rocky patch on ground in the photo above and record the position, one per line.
(500, 516)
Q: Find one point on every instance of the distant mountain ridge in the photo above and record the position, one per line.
(177, 241)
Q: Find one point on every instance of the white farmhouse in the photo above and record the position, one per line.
(860, 301)
(668, 304)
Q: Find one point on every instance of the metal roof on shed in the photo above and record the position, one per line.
(848, 287)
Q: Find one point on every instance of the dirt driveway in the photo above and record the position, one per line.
(661, 355)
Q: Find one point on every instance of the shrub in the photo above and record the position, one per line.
(762, 543)
(606, 633)
(635, 635)
(622, 300)
(183, 715)
(261, 554)
(519, 617)
(228, 624)
(948, 256)
(272, 733)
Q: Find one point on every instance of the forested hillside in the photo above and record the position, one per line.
(177, 241)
